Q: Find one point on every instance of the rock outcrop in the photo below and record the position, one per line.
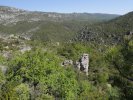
(3, 68)
(67, 62)
(25, 48)
(83, 63)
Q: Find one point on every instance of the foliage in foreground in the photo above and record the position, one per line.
(38, 75)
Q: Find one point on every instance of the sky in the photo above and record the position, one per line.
(70, 6)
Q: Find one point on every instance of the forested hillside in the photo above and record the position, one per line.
(65, 58)
(110, 32)
(46, 25)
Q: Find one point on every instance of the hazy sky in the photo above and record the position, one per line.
(68, 6)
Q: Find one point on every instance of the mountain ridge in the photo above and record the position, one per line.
(54, 15)
(48, 25)
(10, 7)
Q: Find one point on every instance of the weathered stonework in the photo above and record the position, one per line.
(67, 62)
(83, 63)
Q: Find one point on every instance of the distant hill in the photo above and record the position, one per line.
(107, 32)
(46, 25)
(12, 15)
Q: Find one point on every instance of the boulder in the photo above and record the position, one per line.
(7, 54)
(67, 62)
(3, 68)
(25, 48)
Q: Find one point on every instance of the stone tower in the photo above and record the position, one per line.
(83, 63)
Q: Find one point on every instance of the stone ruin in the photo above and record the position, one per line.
(82, 64)
(67, 63)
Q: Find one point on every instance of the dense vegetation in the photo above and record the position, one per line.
(111, 32)
(37, 74)
(46, 26)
